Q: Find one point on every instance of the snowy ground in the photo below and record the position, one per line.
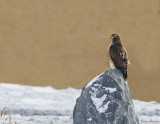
(46, 105)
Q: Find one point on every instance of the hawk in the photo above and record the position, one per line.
(117, 55)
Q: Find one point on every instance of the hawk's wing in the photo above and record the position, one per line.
(119, 58)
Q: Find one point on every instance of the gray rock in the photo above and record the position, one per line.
(105, 100)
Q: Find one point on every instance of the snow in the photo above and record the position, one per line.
(111, 90)
(37, 100)
(93, 80)
(90, 119)
(147, 108)
(104, 108)
(98, 102)
(46, 105)
(149, 119)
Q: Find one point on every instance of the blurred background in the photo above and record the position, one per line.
(63, 43)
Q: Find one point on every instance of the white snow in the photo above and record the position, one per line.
(111, 90)
(97, 85)
(98, 102)
(89, 119)
(104, 107)
(147, 108)
(149, 119)
(37, 100)
(46, 105)
(93, 80)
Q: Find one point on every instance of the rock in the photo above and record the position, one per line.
(105, 100)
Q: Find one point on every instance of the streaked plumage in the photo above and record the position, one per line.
(117, 55)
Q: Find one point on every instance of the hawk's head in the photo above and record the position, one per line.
(115, 37)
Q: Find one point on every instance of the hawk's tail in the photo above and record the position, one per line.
(125, 76)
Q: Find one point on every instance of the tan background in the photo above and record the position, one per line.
(64, 42)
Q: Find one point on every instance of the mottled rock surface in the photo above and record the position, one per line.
(105, 100)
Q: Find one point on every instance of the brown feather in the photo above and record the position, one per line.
(118, 55)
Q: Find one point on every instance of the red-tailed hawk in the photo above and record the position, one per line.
(117, 55)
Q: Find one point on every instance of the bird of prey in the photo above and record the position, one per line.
(117, 55)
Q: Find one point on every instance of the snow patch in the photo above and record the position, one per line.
(89, 119)
(93, 80)
(97, 85)
(111, 90)
(98, 102)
